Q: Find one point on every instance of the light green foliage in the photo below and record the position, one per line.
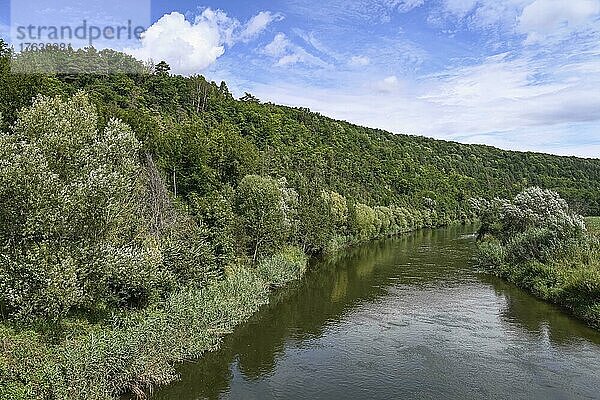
(593, 225)
(536, 225)
(76, 62)
(65, 187)
(135, 355)
(84, 225)
(337, 208)
(364, 221)
(537, 242)
(266, 209)
(215, 214)
(283, 267)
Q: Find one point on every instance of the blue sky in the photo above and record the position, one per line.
(518, 74)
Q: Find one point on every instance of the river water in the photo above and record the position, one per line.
(404, 318)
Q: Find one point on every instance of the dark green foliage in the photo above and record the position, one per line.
(162, 68)
(215, 214)
(203, 137)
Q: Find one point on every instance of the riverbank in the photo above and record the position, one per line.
(136, 352)
(537, 243)
(109, 275)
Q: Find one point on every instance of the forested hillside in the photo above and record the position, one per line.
(205, 138)
(143, 216)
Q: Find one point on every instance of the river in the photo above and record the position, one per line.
(401, 318)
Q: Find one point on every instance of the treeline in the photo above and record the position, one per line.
(87, 223)
(539, 243)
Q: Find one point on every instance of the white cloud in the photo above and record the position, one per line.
(503, 93)
(4, 32)
(538, 19)
(187, 47)
(190, 47)
(403, 6)
(459, 8)
(342, 11)
(287, 53)
(278, 46)
(544, 18)
(258, 24)
(359, 61)
(388, 85)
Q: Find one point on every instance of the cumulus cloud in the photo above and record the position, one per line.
(191, 46)
(287, 53)
(544, 18)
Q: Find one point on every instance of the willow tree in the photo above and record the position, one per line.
(65, 197)
(265, 208)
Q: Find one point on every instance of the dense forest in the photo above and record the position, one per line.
(143, 215)
(183, 120)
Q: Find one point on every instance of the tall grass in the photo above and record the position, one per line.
(136, 352)
(593, 225)
(284, 267)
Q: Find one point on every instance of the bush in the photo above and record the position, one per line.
(137, 353)
(490, 254)
(539, 244)
(536, 242)
(283, 267)
(266, 208)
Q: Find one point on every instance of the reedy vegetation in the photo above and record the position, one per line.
(539, 243)
(143, 216)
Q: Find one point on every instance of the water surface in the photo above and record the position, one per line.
(401, 318)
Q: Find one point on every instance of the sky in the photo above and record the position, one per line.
(516, 74)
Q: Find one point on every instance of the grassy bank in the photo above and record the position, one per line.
(593, 225)
(537, 243)
(137, 351)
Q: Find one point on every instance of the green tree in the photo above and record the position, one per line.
(162, 68)
(263, 212)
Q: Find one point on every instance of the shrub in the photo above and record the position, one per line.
(490, 254)
(536, 225)
(283, 267)
(265, 208)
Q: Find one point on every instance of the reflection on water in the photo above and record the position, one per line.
(404, 317)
